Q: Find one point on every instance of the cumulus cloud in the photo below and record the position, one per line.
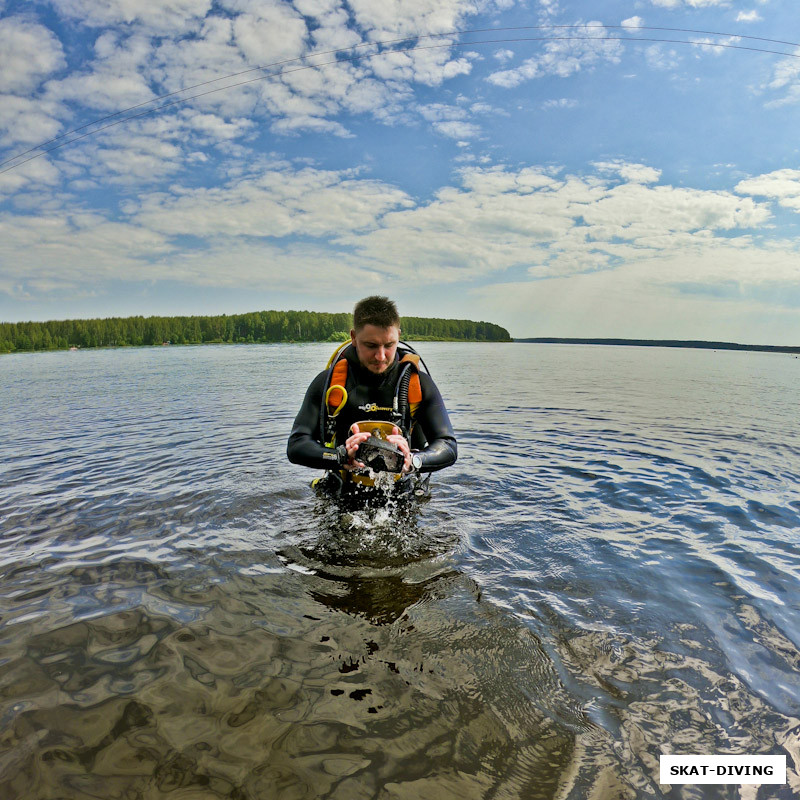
(562, 102)
(30, 54)
(114, 81)
(151, 49)
(271, 32)
(786, 78)
(661, 58)
(274, 267)
(279, 223)
(75, 248)
(30, 51)
(453, 120)
(150, 149)
(167, 16)
(27, 121)
(782, 185)
(633, 173)
(278, 202)
(716, 46)
(30, 175)
(396, 18)
(748, 16)
(632, 23)
(456, 129)
(553, 224)
(563, 58)
(689, 3)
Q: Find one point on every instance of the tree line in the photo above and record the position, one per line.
(259, 326)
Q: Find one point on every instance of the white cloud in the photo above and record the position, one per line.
(27, 121)
(160, 16)
(549, 7)
(706, 294)
(139, 152)
(456, 129)
(503, 55)
(214, 129)
(278, 202)
(30, 52)
(431, 64)
(247, 228)
(74, 249)
(147, 52)
(642, 214)
(782, 185)
(308, 93)
(748, 16)
(115, 79)
(786, 76)
(501, 219)
(403, 18)
(279, 227)
(37, 173)
(632, 23)
(206, 57)
(661, 58)
(435, 112)
(563, 102)
(430, 67)
(715, 46)
(273, 267)
(564, 58)
(690, 3)
(275, 32)
(633, 173)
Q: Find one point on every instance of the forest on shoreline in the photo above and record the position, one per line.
(255, 327)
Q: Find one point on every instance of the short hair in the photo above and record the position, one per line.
(375, 310)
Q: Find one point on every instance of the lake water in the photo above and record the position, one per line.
(611, 571)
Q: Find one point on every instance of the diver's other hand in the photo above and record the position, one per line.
(353, 442)
(401, 443)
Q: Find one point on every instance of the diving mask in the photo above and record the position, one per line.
(377, 453)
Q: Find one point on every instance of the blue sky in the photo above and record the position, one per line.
(557, 167)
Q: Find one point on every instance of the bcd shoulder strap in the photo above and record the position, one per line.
(336, 394)
(414, 386)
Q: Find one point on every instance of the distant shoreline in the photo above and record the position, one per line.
(685, 343)
(256, 327)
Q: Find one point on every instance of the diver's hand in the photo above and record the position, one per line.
(401, 443)
(353, 442)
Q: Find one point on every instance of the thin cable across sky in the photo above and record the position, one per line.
(391, 48)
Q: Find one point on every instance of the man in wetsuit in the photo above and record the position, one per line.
(373, 369)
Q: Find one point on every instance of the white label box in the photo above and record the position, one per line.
(722, 769)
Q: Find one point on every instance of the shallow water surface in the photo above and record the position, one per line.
(611, 571)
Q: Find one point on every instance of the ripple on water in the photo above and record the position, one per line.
(609, 572)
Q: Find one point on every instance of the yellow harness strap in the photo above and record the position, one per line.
(336, 396)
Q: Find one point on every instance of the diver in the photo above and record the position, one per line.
(373, 418)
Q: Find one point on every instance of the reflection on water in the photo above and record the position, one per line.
(310, 685)
(596, 582)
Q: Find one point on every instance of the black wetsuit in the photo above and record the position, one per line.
(432, 433)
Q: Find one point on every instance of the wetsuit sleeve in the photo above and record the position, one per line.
(441, 450)
(304, 445)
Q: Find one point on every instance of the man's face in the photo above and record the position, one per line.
(376, 347)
